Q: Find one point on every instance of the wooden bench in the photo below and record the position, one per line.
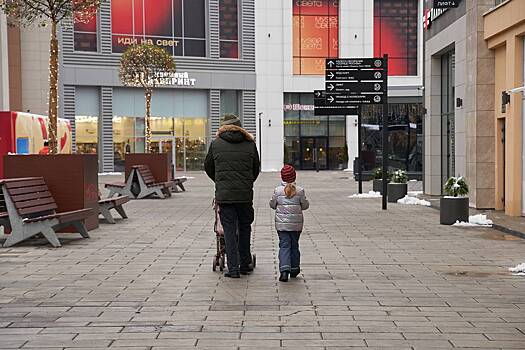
(178, 182)
(105, 206)
(147, 184)
(32, 210)
(122, 188)
(4, 216)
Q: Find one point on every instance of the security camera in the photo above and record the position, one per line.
(517, 90)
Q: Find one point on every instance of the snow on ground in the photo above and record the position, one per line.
(414, 193)
(110, 174)
(370, 194)
(519, 270)
(413, 201)
(479, 220)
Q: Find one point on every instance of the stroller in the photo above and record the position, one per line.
(219, 260)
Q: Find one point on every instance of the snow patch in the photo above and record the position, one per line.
(349, 170)
(370, 194)
(110, 174)
(479, 220)
(414, 193)
(519, 270)
(413, 201)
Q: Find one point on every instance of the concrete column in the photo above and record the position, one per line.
(351, 139)
(4, 65)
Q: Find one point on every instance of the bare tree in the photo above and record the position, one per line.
(147, 66)
(42, 12)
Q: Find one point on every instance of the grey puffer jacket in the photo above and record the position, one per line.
(289, 211)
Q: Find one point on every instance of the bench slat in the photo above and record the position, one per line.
(34, 203)
(29, 196)
(24, 183)
(115, 184)
(26, 190)
(38, 209)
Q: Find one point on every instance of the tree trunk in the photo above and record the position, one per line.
(53, 91)
(148, 120)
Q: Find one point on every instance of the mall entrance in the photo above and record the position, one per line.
(313, 153)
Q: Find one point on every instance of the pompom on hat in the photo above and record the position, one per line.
(288, 174)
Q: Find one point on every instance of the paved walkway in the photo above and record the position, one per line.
(371, 279)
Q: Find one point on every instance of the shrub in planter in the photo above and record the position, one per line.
(454, 205)
(397, 188)
(377, 182)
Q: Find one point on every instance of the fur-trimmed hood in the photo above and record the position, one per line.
(234, 134)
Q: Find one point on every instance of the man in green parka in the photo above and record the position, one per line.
(233, 164)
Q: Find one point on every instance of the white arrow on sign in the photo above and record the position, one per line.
(317, 94)
(331, 63)
(331, 99)
(332, 75)
(331, 87)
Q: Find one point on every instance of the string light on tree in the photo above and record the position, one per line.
(30, 12)
(146, 66)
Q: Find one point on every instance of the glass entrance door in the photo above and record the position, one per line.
(314, 153)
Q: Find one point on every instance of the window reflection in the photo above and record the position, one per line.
(86, 131)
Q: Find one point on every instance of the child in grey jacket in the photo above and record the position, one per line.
(289, 201)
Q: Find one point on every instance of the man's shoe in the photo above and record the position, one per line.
(294, 274)
(284, 276)
(232, 275)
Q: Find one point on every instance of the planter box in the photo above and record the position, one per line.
(159, 163)
(453, 209)
(377, 185)
(71, 178)
(396, 191)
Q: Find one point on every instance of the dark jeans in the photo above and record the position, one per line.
(237, 217)
(289, 254)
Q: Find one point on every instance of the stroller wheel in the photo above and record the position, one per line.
(254, 260)
(215, 264)
(221, 263)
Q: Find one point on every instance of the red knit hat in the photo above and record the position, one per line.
(288, 174)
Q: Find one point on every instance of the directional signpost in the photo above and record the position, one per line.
(321, 108)
(354, 82)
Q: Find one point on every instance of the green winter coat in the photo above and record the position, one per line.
(233, 164)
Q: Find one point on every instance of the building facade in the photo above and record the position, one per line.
(294, 37)
(505, 36)
(213, 42)
(459, 101)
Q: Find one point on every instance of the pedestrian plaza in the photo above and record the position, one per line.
(370, 279)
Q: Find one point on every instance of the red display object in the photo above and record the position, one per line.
(25, 133)
(71, 178)
(159, 164)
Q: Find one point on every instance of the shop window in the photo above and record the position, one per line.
(315, 35)
(86, 131)
(178, 26)
(229, 28)
(396, 34)
(85, 35)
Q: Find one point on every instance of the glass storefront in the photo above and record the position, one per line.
(312, 142)
(184, 138)
(405, 140)
(86, 131)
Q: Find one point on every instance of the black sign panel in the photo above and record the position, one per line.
(321, 107)
(354, 63)
(355, 81)
(354, 74)
(446, 4)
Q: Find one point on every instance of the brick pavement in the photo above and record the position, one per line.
(370, 279)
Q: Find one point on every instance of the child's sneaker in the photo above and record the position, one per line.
(284, 276)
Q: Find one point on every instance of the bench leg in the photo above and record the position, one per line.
(160, 193)
(81, 229)
(120, 210)
(13, 239)
(51, 236)
(166, 192)
(106, 214)
(111, 193)
(182, 187)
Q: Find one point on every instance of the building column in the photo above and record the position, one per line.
(106, 149)
(352, 136)
(4, 65)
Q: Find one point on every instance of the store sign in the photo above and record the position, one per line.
(297, 107)
(175, 79)
(430, 15)
(446, 4)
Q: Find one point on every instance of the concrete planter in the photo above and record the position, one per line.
(377, 185)
(396, 191)
(453, 209)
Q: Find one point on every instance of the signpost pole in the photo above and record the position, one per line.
(385, 134)
(359, 155)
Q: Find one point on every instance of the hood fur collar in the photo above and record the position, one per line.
(235, 128)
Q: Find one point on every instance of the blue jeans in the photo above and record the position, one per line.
(289, 254)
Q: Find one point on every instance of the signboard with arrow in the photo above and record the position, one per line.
(321, 107)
